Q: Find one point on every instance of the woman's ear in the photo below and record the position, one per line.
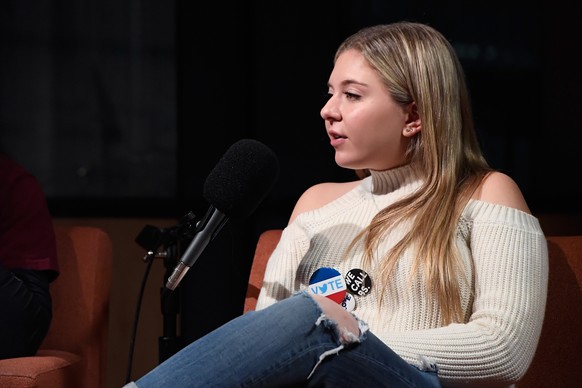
(413, 122)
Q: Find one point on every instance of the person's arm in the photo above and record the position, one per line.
(509, 252)
(279, 277)
(501, 189)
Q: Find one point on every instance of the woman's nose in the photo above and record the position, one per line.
(329, 110)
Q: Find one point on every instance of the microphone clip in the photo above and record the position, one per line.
(156, 240)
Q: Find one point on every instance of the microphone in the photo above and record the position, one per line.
(235, 187)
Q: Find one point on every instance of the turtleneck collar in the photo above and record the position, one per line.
(387, 181)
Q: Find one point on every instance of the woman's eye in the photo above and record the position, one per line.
(352, 96)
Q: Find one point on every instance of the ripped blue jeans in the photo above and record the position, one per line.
(289, 344)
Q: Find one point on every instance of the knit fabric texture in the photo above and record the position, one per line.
(503, 302)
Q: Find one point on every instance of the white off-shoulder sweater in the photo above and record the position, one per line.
(504, 302)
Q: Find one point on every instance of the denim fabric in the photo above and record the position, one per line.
(289, 344)
(26, 309)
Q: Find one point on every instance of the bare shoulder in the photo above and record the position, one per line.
(501, 189)
(319, 195)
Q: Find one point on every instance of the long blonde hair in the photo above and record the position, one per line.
(419, 65)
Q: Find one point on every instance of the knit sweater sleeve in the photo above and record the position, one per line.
(498, 342)
(279, 281)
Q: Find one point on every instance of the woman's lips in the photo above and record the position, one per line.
(336, 139)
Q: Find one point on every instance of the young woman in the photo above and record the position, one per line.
(437, 269)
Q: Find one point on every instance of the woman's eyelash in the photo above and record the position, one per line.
(349, 95)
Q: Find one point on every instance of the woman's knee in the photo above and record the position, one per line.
(348, 327)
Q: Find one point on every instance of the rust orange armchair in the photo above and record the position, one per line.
(557, 360)
(74, 352)
(265, 245)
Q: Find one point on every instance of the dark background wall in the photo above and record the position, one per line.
(122, 107)
(127, 105)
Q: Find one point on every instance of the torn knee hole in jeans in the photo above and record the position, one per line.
(345, 337)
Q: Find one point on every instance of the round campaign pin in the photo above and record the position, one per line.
(349, 302)
(358, 282)
(328, 282)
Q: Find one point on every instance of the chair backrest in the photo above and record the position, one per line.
(557, 359)
(81, 297)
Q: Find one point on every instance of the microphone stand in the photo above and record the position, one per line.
(169, 343)
(164, 244)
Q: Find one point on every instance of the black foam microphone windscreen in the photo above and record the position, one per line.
(242, 178)
(235, 187)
